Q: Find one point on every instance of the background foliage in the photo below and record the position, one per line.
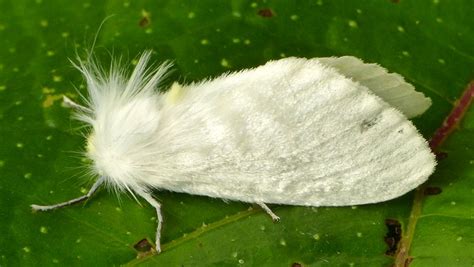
(428, 42)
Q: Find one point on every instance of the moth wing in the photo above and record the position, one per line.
(292, 132)
(391, 87)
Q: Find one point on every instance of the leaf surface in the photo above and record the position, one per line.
(430, 43)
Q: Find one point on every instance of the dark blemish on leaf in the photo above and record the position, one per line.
(145, 20)
(393, 236)
(408, 261)
(266, 13)
(143, 246)
(296, 264)
(369, 123)
(401, 131)
(432, 190)
(441, 155)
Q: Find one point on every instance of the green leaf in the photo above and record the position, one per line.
(428, 42)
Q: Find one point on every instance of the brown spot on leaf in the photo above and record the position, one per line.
(266, 13)
(143, 245)
(296, 264)
(145, 20)
(441, 155)
(393, 236)
(432, 190)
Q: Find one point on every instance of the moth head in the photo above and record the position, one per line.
(123, 112)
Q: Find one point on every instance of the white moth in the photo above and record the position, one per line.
(295, 131)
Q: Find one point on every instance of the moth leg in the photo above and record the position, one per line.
(69, 103)
(94, 188)
(148, 197)
(275, 217)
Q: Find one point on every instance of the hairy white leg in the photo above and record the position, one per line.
(148, 197)
(275, 217)
(69, 103)
(94, 188)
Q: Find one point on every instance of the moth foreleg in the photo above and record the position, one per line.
(94, 188)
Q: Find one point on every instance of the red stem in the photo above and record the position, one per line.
(453, 118)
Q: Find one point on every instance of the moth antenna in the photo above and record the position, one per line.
(96, 36)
